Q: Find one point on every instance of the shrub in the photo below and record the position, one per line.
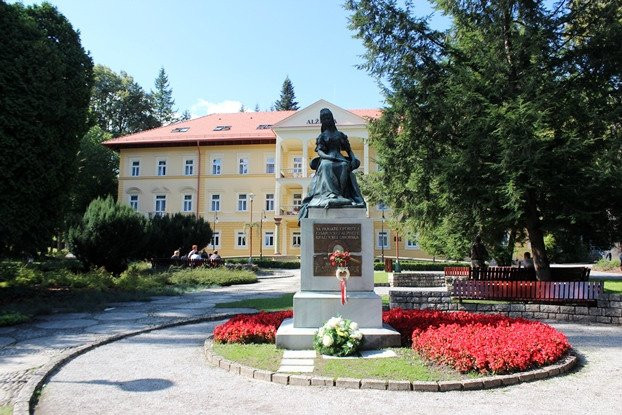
(109, 235)
(10, 318)
(251, 328)
(268, 263)
(607, 265)
(211, 276)
(170, 232)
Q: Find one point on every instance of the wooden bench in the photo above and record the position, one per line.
(537, 291)
(518, 274)
(492, 273)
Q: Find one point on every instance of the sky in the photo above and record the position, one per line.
(220, 54)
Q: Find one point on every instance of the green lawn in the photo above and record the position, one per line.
(381, 277)
(406, 366)
(6, 410)
(284, 302)
(260, 356)
(613, 286)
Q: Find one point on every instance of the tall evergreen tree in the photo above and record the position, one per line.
(185, 116)
(163, 101)
(242, 108)
(508, 122)
(287, 101)
(256, 107)
(45, 83)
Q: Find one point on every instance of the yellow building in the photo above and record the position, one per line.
(239, 169)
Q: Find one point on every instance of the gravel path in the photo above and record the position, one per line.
(165, 372)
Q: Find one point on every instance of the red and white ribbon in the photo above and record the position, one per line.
(342, 274)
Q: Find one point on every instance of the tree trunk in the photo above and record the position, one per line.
(536, 237)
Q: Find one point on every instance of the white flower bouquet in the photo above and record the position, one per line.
(338, 337)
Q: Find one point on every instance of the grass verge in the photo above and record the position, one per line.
(284, 302)
(259, 356)
(381, 277)
(613, 286)
(406, 366)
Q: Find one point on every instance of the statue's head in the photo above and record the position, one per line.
(326, 118)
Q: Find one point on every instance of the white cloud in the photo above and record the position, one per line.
(204, 107)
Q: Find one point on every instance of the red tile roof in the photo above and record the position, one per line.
(243, 130)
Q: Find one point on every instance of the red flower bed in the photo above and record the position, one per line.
(479, 342)
(251, 328)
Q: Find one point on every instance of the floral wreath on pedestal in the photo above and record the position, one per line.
(338, 337)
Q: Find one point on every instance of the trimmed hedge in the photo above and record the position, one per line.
(267, 263)
(422, 265)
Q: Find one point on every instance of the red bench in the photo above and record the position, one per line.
(539, 291)
(517, 274)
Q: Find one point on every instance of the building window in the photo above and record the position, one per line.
(297, 201)
(189, 168)
(216, 239)
(180, 129)
(383, 240)
(297, 167)
(134, 202)
(217, 166)
(270, 165)
(412, 244)
(187, 207)
(135, 171)
(270, 202)
(268, 239)
(240, 239)
(215, 207)
(296, 239)
(243, 166)
(161, 168)
(242, 199)
(160, 205)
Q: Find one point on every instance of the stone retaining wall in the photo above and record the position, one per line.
(417, 279)
(608, 309)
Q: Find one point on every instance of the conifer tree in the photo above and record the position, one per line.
(505, 124)
(287, 101)
(162, 98)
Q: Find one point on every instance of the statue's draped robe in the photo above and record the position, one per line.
(334, 183)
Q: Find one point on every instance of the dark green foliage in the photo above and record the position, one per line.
(163, 100)
(287, 101)
(109, 236)
(506, 124)
(423, 265)
(119, 105)
(170, 232)
(185, 116)
(45, 82)
(267, 263)
(97, 173)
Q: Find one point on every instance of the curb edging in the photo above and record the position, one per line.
(558, 368)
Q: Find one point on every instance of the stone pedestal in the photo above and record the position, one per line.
(319, 298)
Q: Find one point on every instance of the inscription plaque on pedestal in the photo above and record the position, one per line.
(328, 237)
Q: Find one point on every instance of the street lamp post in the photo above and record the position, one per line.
(383, 238)
(214, 231)
(263, 216)
(250, 252)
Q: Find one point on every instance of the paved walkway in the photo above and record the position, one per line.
(26, 347)
(165, 372)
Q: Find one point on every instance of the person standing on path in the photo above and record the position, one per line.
(479, 253)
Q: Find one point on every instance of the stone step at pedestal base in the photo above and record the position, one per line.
(292, 338)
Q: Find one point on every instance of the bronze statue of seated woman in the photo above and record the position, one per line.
(334, 184)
